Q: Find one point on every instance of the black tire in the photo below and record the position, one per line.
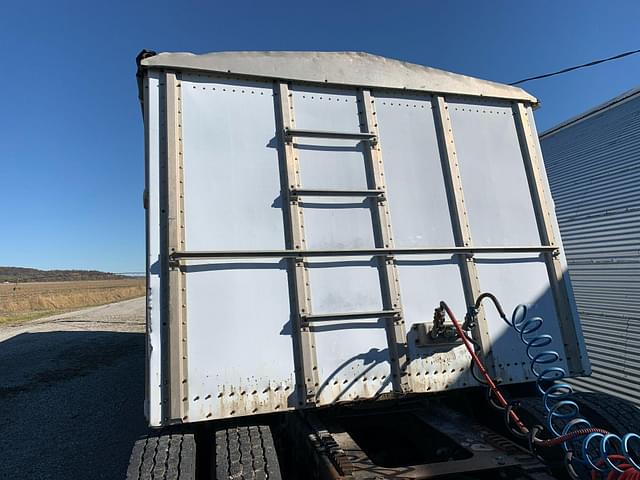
(532, 412)
(602, 410)
(606, 411)
(163, 456)
(245, 453)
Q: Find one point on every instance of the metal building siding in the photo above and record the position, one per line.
(593, 166)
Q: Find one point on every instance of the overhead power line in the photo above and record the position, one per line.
(565, 70)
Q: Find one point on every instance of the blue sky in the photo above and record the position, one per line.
(71, 175)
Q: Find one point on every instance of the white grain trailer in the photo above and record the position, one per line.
(306, 213)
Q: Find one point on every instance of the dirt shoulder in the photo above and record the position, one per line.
(26, 301)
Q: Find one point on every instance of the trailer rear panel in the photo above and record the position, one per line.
(307, 212)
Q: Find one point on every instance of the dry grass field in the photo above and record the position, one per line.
(26, 301)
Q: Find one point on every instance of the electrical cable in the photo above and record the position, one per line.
(576, 67)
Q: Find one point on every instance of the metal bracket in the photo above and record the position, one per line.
(290, 133)
(429, 335)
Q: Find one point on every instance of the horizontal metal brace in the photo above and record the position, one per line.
(369, 252)
(325, 317)
(288, 132)
(321, 192)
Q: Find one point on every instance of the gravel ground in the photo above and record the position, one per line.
(71, 393)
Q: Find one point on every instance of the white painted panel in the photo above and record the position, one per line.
(421, 218)
(240, 351)
(153, 403)
(522, 279)
(425, 281)
(344, 285)
(338, 223)
(413, 172)
(325, 109)
(494, 181)
(500, 212)
(231, 171)
(353, 359)
(418, 204)
(328, 163)
(239, 334)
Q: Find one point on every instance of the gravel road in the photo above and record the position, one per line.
(71, 393)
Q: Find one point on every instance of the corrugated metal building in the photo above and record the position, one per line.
(593, 164)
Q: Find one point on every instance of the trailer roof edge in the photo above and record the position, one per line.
(338, 68)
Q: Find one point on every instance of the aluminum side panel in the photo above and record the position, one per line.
(240, 355)
(417, 195)
(240, 348)
(420, 216)
(232, 188)
(493, 176)
(500, 212)
(153, 402)
(337, 223)
(334, 163)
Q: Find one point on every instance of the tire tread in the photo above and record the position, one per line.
(606, 411)
(246, 453)
(163, 456)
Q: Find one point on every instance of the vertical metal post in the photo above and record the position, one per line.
(176, 401)
(395, 326)
(545, 223)
(459, 218)
(303, 335)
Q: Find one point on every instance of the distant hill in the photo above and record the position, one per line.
(22, 275)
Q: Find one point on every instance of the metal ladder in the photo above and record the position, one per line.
(292, 191)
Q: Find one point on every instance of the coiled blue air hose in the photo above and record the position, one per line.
(556, 398)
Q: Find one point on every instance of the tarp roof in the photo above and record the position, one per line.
(339, 68)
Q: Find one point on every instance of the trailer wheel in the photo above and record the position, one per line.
(532, 413)
(168, 456)
(602, 410)
(606, 411)
(243, 453)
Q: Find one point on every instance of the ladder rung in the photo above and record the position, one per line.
(289, 132)
(320, 192)
(325, 317)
